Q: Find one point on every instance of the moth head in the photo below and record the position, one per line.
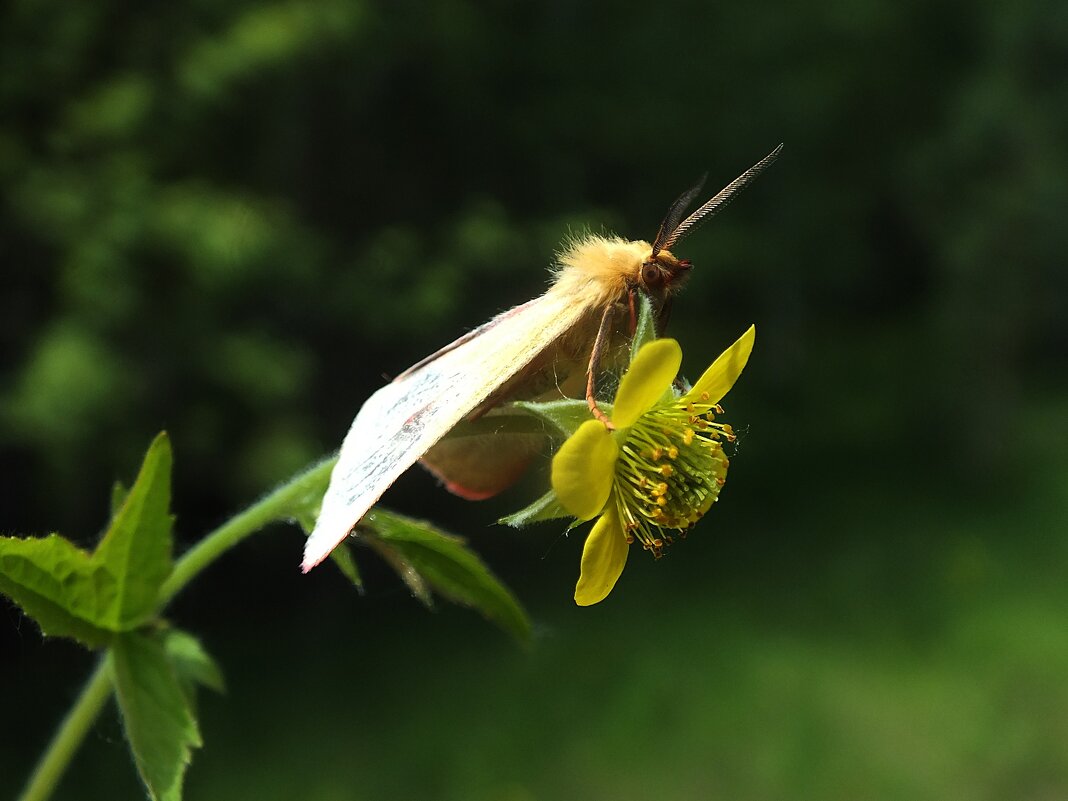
(662, 273)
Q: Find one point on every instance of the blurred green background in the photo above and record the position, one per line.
(230, 220)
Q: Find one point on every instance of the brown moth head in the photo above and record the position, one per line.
(662, 273)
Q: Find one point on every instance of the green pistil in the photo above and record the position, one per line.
(670, 471)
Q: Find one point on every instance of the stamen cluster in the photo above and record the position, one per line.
(670, 470)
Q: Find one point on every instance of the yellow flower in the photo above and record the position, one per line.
(658, 472)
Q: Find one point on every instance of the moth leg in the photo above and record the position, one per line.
(603, 334)
(633, 310)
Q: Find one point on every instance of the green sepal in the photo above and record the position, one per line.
(428, 556)
(156, 714)
(565, 415)
(547, 507)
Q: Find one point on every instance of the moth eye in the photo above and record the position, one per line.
(651, 274)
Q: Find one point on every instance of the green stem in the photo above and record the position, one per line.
(70, 734)
(277, 505)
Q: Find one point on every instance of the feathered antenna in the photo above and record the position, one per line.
(725, 196)
(674, 214)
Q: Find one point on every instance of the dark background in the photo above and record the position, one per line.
(230, 220)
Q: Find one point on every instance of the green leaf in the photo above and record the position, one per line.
(159, 722)
(547, 507)
(645, 330)
(396, 559)
(56, 584)
(72, 594)
(119, 491)
(447, 565)
(564, 415)
(346, 563)
(136, 550)
(192, 664)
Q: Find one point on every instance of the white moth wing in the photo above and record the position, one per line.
(402, 420)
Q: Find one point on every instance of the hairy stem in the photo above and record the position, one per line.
(70, 734)
(276, 505)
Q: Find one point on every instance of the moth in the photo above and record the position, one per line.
(554, 343)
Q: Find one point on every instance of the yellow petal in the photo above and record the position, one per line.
(603, 558)
(720, 377)
(583, 469)
(649, 375)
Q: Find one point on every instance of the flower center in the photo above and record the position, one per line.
(670, 470)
